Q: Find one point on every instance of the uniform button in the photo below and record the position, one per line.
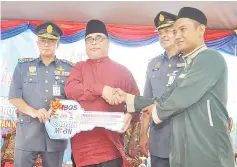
(46, 91)
(62, 81)
(46, 81)
(30, 79)
(47, 72)
(169, 65)
(46, 100)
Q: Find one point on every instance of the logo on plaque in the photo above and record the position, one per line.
(64, 119)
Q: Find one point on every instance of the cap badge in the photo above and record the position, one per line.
(49, 29)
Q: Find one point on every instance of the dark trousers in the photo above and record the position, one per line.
(159, 162)
(27, 158)
(113, 163)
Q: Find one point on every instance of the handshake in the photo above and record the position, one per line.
(113, 96)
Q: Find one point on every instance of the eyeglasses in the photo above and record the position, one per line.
(48, 41)
(98, 39)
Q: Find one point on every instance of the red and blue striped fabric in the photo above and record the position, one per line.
(125, 35)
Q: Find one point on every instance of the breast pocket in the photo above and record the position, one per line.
(30, 85)
(155, 78)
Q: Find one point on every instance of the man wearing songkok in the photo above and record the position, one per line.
(91, 83)
(195, 102)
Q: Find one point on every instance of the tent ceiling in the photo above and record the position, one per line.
(221, 15)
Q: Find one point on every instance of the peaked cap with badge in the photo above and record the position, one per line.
(164, 19)
(49, 30)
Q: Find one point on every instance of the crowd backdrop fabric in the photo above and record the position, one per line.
(132, 46)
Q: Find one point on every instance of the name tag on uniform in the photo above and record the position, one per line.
(155, 69)
(61, 73)
(56, 90)
(31, 74)
(181, 65)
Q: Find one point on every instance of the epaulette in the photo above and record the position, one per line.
(68, 62)
(159, 57)
(22, 60)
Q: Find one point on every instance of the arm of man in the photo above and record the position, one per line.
(15, 97)
(205, 73)
(137, 103)
(22, 106)
(77, 90)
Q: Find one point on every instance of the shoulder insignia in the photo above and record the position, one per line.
(68, 62)
(22, 60)
(157, 65)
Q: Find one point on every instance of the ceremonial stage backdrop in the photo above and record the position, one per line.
(132, 46)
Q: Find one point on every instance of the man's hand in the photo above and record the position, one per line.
(109, 95)
(148, 110)
(120, 95)
(127, 121)
(144, 144)
(42, 114)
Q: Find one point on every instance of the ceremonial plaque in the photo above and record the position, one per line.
(68, 118)
(65, 118)
(113, 121)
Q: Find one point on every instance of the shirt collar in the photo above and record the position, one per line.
(164, 55)
(100, 60)
(189, 57)
(39, 60)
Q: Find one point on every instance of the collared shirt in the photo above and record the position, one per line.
(33, 82)
(159, 76)
(200, 133)
(196, 103)
(85, 85)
